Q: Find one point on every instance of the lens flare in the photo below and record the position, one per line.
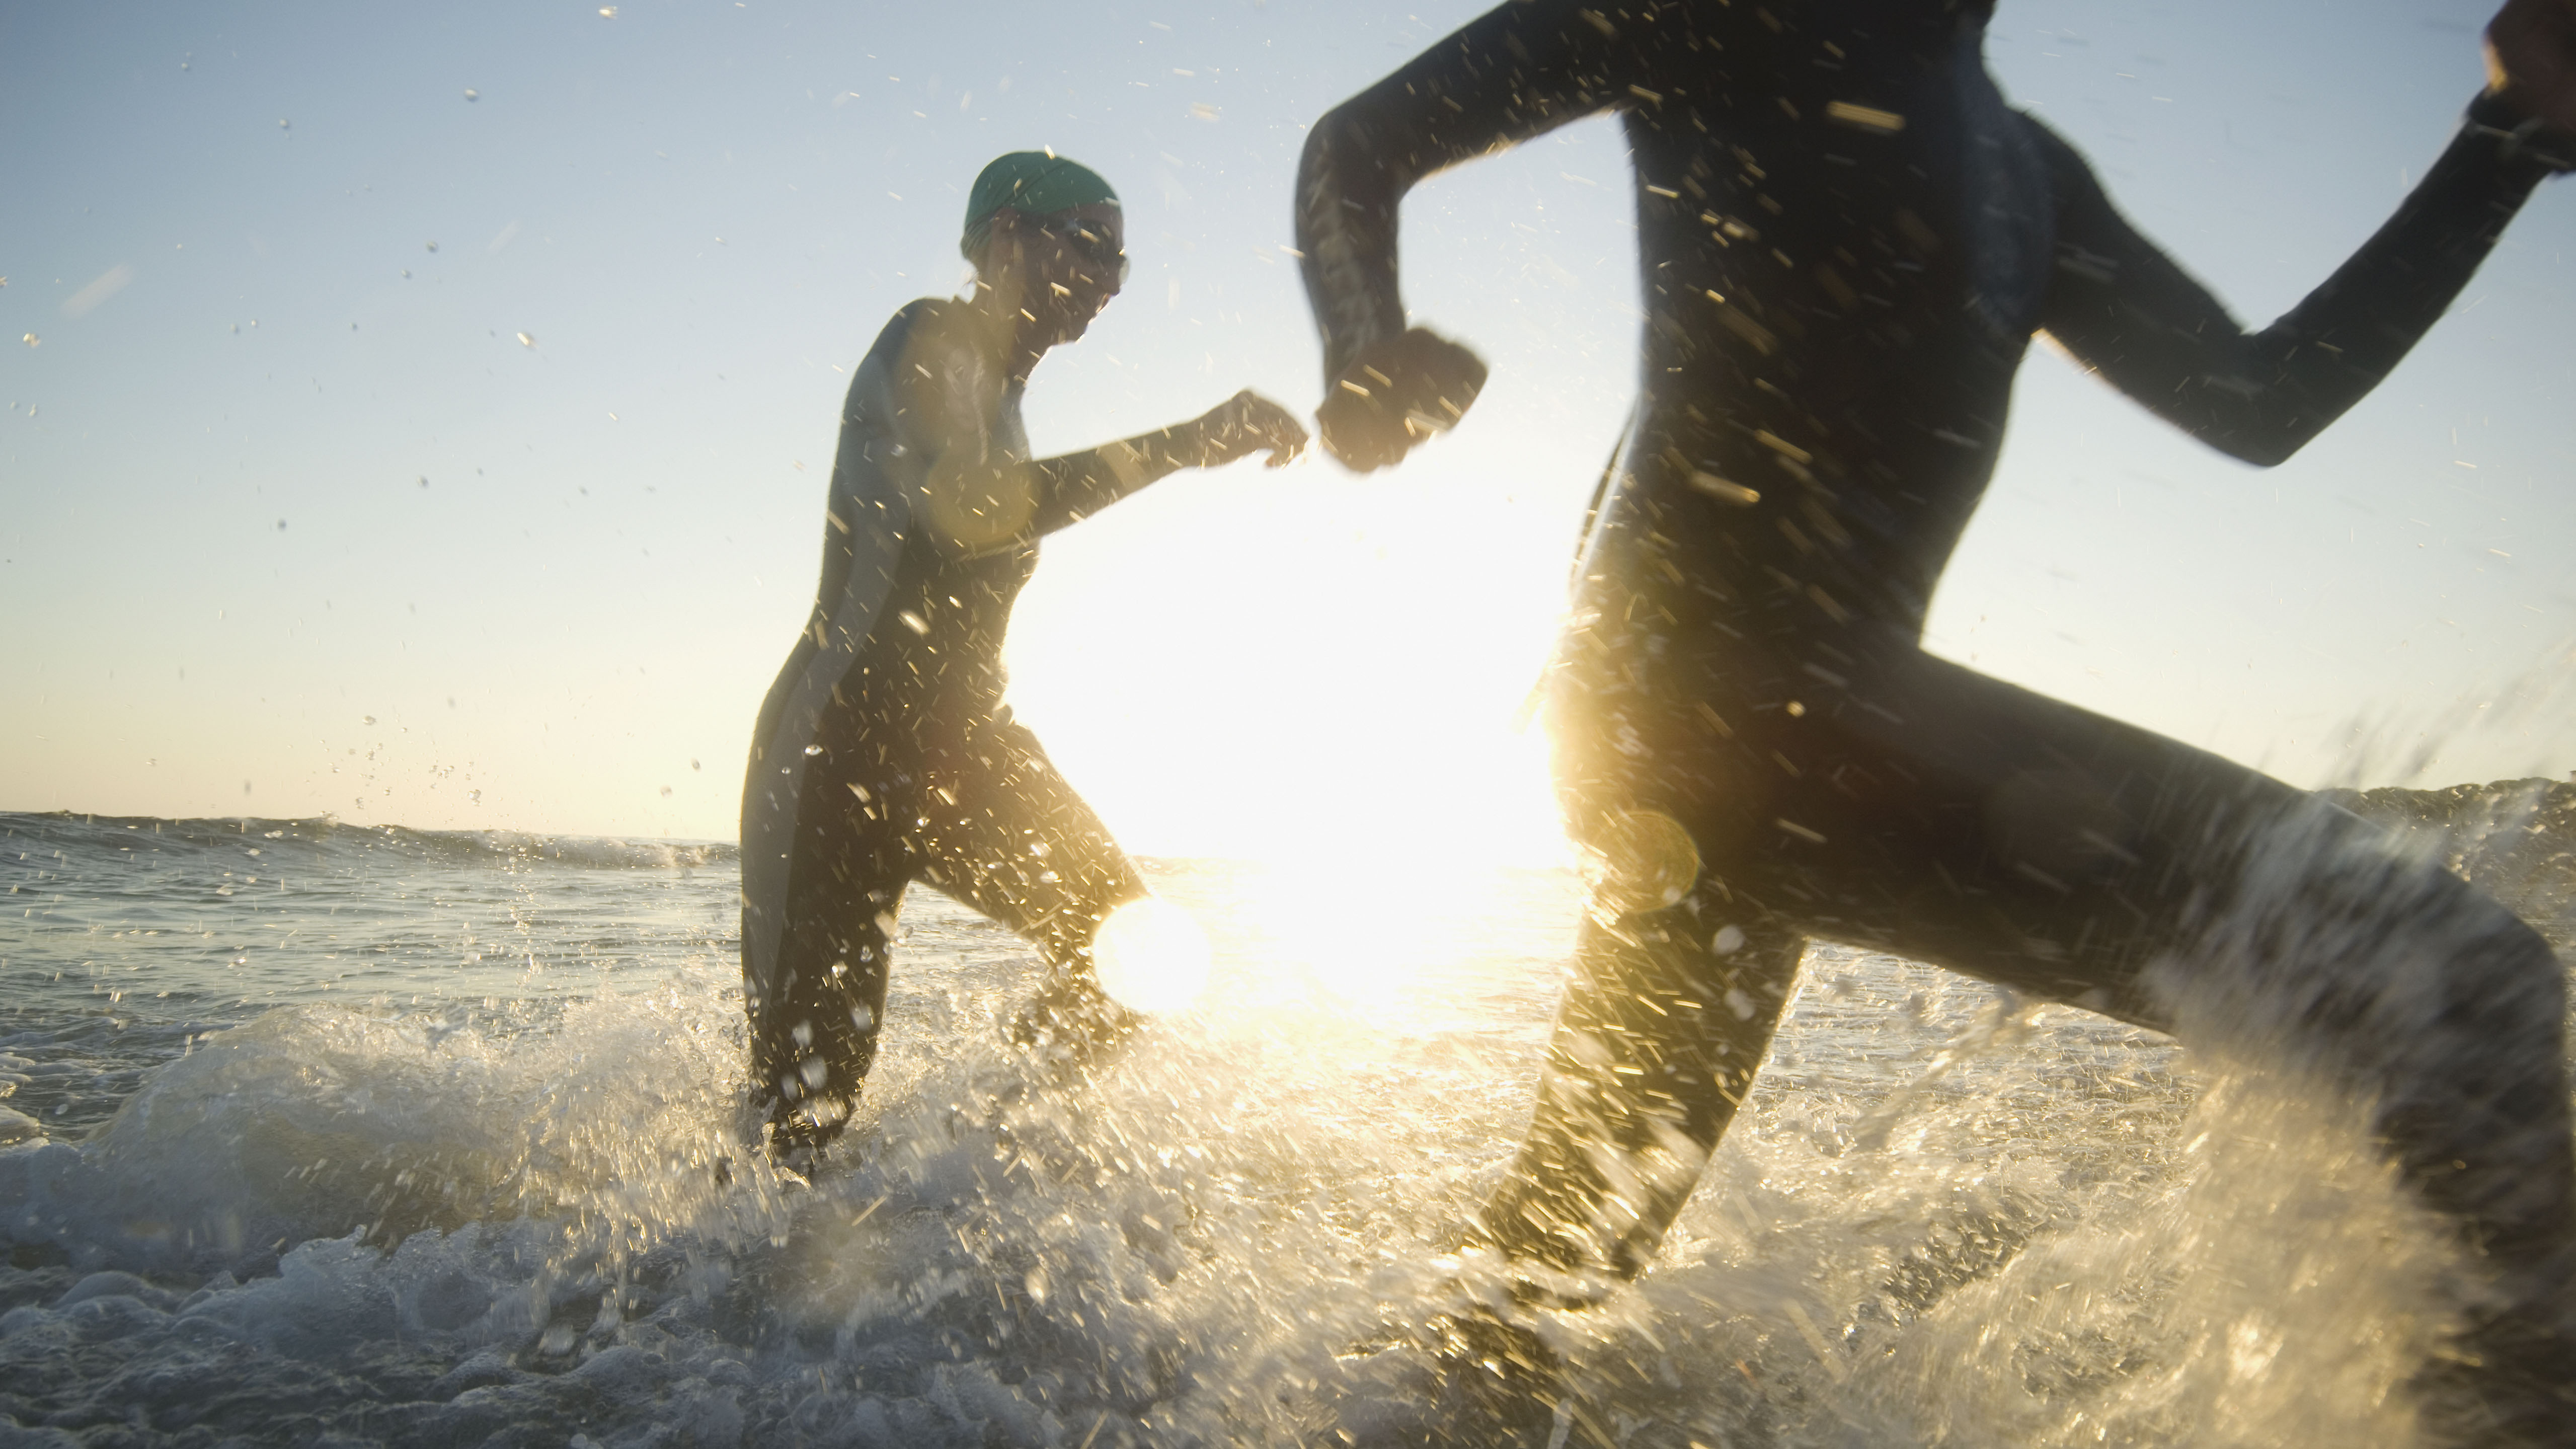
(1151, 956)
(1638, 860)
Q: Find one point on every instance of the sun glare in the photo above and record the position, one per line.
(1151, 956)
(1345, 693)
(1359, 937)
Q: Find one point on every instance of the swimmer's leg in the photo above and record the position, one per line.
(2082, 860)
(1023, 848)
(816, 1012)
(2199, 897)
(2339, 959)
(1923, 809)
(1655, 1046)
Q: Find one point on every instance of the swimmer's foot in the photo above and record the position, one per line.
(797, 1135)
(793, 1168)
(1071, 1026)
(1494, 1383)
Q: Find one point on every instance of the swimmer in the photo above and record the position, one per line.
(884, 753)
(1848, 240)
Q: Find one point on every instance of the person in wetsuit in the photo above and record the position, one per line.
(884, 753)
(1848, 239)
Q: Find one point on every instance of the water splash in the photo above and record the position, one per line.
(521, 1202)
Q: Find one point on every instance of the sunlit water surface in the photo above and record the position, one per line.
(330, 1134)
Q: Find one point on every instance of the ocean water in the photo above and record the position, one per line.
(323, 1134)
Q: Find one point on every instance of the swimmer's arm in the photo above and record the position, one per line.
(1516, 72)
(973, 498)
(2125, 310)
(1075, 486)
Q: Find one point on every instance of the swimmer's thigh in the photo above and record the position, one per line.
(1930, 811)
(1981, 827)
(1020, 846)
(814, 1030)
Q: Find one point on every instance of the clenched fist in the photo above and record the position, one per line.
(1247, 423)
(1395, 395)
(2531, 59)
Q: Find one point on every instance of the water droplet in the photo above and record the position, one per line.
(471, 94)
(32, 340)
(367, 719)
(433, 246)
(526, 341)
(813, 749)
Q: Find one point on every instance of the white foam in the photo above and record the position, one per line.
(511, 1219)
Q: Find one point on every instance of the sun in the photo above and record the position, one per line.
(1150, 956)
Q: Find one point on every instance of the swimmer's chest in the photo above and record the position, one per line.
(1817, 183)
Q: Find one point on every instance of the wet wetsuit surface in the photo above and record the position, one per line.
(883, 753)
(1848, 239)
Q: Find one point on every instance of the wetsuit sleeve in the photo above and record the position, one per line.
(1074, 486)
(1516, 72)
(973, 492)
(2127, 312)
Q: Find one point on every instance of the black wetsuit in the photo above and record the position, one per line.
(884, 754)
(1848, 239)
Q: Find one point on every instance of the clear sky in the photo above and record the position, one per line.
(428, 412)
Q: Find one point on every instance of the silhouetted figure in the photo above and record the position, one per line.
(1848, 240)
(884, 753)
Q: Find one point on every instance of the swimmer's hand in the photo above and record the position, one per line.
(1395, 395)
(2531, 60)
(1248, 423)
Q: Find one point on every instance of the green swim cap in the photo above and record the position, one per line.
(1038, 183)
